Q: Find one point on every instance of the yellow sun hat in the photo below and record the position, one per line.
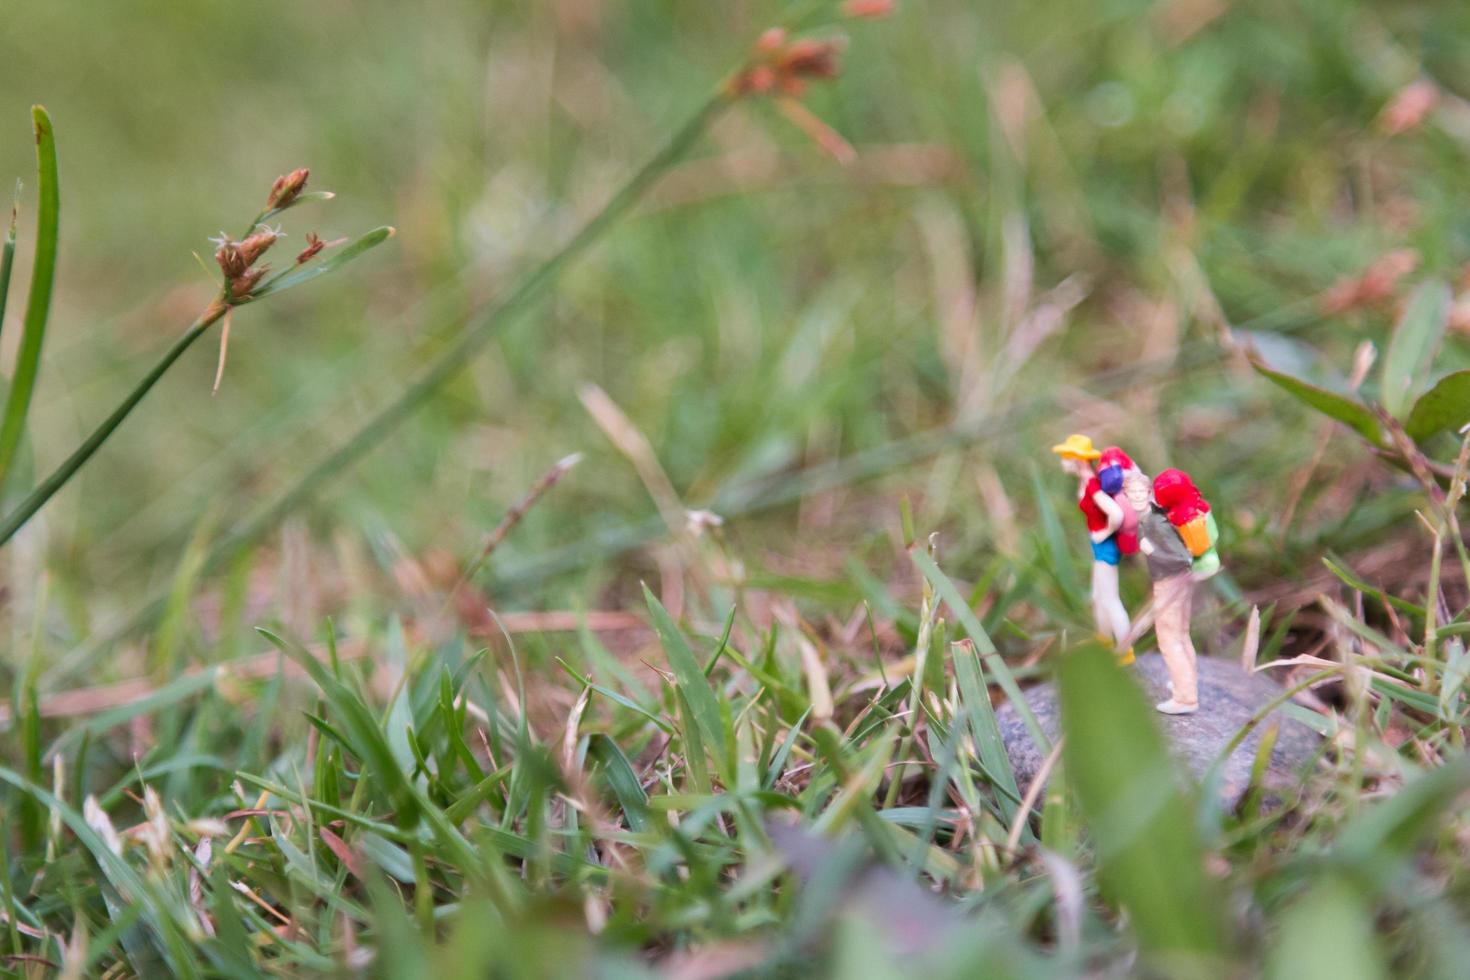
(1076, 447)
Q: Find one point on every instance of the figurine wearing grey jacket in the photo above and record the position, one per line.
(1169, 566)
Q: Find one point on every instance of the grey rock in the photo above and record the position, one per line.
(1228, 698)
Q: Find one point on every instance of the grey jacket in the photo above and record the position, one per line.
(1170, 554)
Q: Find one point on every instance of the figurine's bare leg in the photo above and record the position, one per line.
(1107, 608)
(1172, 600)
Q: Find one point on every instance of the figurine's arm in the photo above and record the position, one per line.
(1112, 512)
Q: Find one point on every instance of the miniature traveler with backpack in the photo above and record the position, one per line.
(1111, 526)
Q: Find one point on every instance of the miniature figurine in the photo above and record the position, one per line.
(1109, 527)
(1171, 567)
(1190, 514)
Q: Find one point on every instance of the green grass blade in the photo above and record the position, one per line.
(1388, 831)
(1147, 845)
(975, 697)
(622, 780)
(1328, 934)
(1411, 349)
(689, 673)
(38, 303)
(297, 275)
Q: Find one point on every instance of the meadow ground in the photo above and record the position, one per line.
(717, 700)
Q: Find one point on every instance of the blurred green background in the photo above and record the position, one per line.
(1190, 164)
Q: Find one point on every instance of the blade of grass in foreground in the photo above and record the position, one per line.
(1147, 845)
(38, 303)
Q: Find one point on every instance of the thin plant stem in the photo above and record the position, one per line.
(470, 341)
(38, 497)
(218, 308)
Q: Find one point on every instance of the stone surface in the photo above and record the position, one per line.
(1228, 698)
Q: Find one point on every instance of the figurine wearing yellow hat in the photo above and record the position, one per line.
(1107, 526)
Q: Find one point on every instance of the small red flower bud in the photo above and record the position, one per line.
(229, 259)
(1408, 108)
(809, 59)
(286, 188)
(257, 243)
(771, 41)
(244, 284)
(313, 246)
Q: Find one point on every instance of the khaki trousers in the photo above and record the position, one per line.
(1172, 599)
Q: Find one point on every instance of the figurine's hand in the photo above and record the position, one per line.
(1146, 546)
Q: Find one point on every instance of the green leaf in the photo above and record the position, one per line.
(689, 674)
(38, 304)
(1410, 351)
(334, 260)
(1328, 933)
(1148, 849)
(1349, 411)
(1445, 406)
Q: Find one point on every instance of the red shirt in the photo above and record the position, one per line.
(1096, 519)
(1127, 533)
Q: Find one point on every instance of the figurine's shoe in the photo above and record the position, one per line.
(1126, 658)
(1172, 707)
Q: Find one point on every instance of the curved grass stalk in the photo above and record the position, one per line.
(217, 309)
(38, 303)
(469, 343)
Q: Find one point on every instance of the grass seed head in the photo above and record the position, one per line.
(313, 245)
(785, 66)
(286, 189)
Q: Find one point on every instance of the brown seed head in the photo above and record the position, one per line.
(287, 188)
(785, 66)
(809, 59)
(244, 284)
(313, 246)
(230, 261)
(257, 243)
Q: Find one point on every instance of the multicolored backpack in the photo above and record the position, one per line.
(1189, 512)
